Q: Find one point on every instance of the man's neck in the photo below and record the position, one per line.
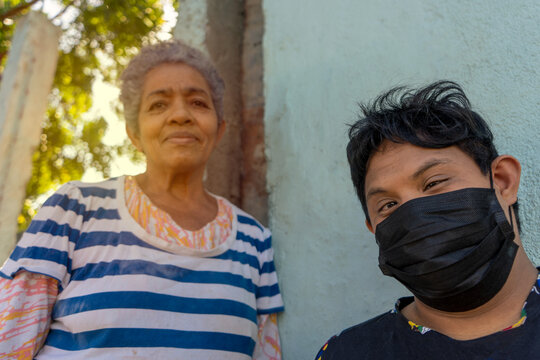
(501, 312)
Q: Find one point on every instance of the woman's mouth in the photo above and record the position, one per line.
(181, 137)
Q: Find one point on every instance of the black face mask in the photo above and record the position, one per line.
(453, 251)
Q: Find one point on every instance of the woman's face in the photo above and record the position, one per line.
(178, 125)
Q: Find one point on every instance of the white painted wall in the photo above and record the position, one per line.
(320, 58)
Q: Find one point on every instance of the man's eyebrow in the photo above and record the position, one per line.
(428, 165)
(425, 167)
(374, 191)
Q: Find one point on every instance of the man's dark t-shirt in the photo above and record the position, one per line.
(390, 336)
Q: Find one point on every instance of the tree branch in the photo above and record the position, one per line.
(17, 9)
(62, 11)
(2, 54)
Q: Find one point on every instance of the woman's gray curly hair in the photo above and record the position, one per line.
(172, 51)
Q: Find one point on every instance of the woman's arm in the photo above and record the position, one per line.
(26, 303)
(268, 346)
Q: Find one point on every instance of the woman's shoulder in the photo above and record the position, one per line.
(243, 216)
(247, 223)
(78, 195)
(110, 183)
(81, 189)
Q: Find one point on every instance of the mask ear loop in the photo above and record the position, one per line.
(509, 206)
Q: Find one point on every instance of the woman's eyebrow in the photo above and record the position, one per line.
(162, 92)
(195, 90)
(185, 91)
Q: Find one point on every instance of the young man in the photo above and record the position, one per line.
(443, 207)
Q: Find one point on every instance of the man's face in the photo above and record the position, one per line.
(398, 173)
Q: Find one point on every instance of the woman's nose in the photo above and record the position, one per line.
(180, 113)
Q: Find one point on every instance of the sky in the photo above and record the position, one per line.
(104, 96)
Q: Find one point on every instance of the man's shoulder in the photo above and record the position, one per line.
(369, 330)
(363, 338)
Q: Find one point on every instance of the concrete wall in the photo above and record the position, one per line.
(216, 28)
(254, 194)
(230, 32)
(319, 60)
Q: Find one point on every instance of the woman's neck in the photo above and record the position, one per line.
(182, 185)
(182, 196)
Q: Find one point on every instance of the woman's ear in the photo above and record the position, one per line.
(221, 130)
(134, 138)
(506, 172)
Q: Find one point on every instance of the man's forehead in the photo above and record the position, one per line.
(393, 159)
(390, 151)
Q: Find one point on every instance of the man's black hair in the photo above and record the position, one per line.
(436, 116)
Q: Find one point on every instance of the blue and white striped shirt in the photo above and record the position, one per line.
(125, 294)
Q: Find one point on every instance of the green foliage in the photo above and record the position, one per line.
(98, 41)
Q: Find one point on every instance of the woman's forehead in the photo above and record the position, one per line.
(174, 77)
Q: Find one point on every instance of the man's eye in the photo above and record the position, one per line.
(387, 206)
(433, 183)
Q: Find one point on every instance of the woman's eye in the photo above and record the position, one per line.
(157, 105)
(200, 103)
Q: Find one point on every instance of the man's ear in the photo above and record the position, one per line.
(369, 226)
(134, 138)
(506, 172)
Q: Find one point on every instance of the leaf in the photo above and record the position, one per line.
(72, 139)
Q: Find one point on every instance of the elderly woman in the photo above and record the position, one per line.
(150, 266)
